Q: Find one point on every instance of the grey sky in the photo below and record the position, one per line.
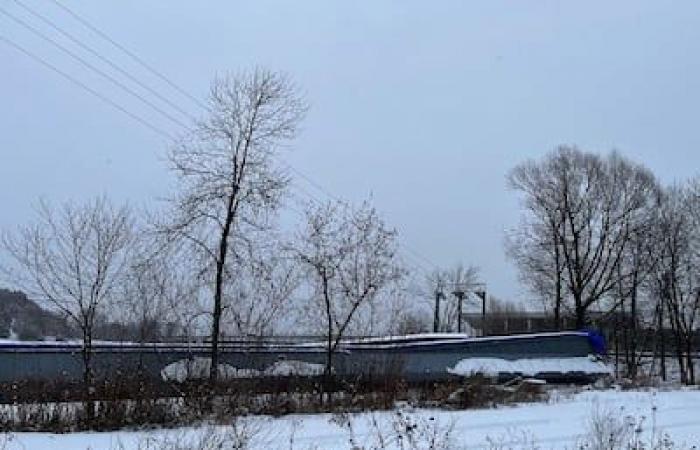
(425, 105)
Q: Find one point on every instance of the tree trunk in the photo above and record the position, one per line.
(218, 291)
(681, 362)
(616, 338)
(634, 338)
(625, 338)
(580, 312)
(662, 334)
(89, 403)
(678, 343)
(328, 371)
(215, 329)
(557, 282)
(689, 358)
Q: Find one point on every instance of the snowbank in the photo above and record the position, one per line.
(198, 368)
(295, 368)
(530, 366)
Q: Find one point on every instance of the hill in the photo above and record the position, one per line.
(21, 318)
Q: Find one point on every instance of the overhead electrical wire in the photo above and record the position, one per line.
(95, 69)
(82, 85)
(102, 58)
(135, 57)
(182, 91)
(418, 259)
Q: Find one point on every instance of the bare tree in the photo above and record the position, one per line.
(593, 204)
(141, 302)
(227, 177)
(678, 271)
(158, 298)
(633, 297)
(73, 259)
(393, 311)
(535, 246)
(350, 257)
(268, 278)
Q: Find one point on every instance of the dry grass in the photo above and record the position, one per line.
(197, 404)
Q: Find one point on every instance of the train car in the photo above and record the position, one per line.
(415, 358)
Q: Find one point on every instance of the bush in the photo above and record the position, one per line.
(478, 391)
(404, 432)
(614, 430)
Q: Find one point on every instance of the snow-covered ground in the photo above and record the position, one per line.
(557, 424)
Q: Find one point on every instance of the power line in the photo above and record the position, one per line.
(311, 182)
(82, 85)
(419, 259)
(106, 60)
(308, 179)
(182, 91)
(132, 55)
(93, 68)
(308, 194)
(416, 263)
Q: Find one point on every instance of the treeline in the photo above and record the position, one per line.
(601, 236)
(214, 259)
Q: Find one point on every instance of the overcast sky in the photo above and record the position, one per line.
(423, 105)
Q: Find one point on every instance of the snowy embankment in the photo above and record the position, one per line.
(558, 424)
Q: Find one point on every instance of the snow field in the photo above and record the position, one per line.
(557, 424)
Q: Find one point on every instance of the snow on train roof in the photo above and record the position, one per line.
(385, 342)
(98, 345)
(428, 339)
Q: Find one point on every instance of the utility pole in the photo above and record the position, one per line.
(438, 296)
(664, 300)
(482, 295)
(460, 293)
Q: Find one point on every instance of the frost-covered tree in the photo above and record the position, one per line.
(349, 256)
(228, 178)
(73, 259)
(580, 213)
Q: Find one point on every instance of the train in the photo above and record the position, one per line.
(552, 356)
